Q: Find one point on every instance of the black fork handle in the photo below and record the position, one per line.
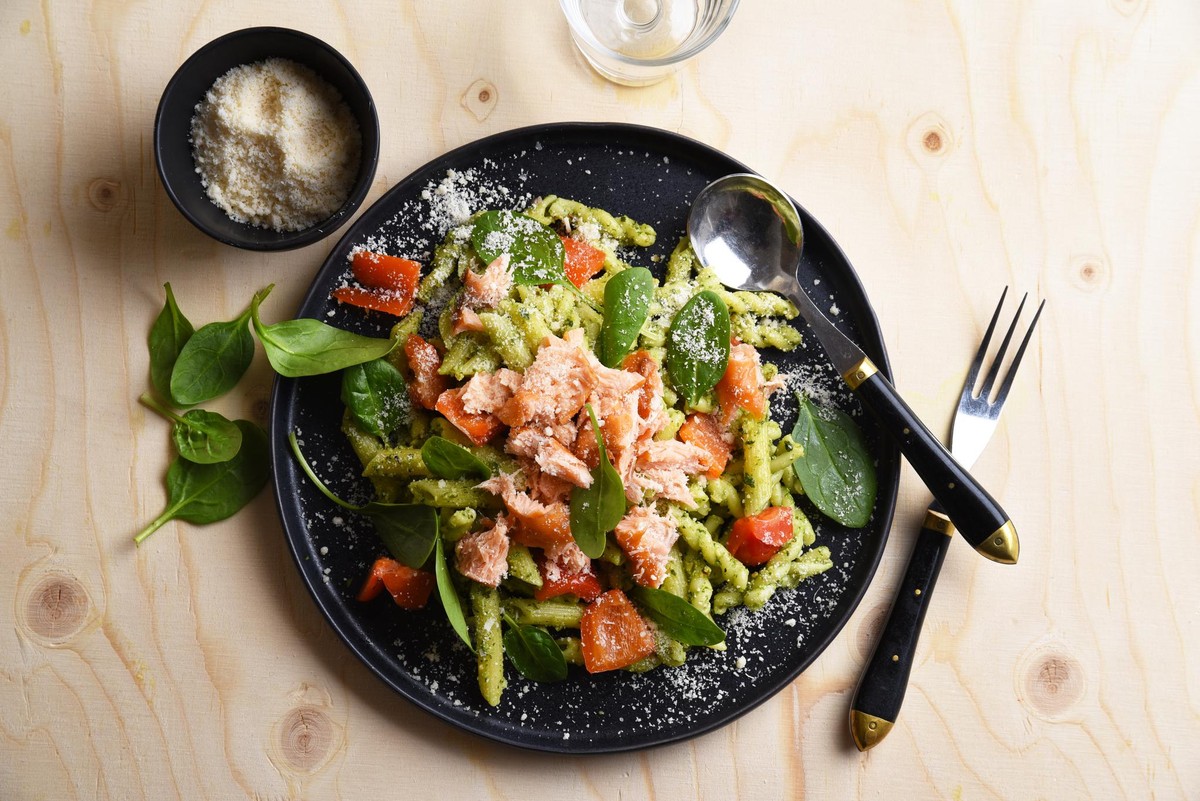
(884, 680)
(975, 513)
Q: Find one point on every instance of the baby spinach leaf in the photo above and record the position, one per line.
(597, 509)
(535, 252)
(451, 603)
(677, 618)
(627, 298)
(206, 493)
(533, 652)
(698, 345)
(408, 530)
(200, 436)
(836, 470)
(377, 397)
(168, 335)
(446, 459)
(214, 359)
(305, 347)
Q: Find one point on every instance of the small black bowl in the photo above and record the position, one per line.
(172, 130)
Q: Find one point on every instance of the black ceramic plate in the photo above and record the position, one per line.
(652, 176)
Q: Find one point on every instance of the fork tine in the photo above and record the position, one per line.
(1016, 362)
(973, 372)
(986, 389)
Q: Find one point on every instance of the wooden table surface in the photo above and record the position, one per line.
(951, 148)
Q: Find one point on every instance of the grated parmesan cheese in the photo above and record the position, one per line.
(275, 145)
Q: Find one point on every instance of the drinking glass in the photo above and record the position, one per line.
(640, 42)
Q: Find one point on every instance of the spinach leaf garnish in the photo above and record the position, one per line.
(446, 459)
(200, 436)
(698, 345)
(213, 360)
(377, 397)
(451, 603)
(168, 335)
(627, 298)
(597, 509)
(305, 347)
(536, 254)
(836, 470)
(408, 530)
(206, 493)
(677, 618)
(533, 652)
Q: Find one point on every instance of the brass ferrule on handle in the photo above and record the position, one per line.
(939, 522)
(859, 373)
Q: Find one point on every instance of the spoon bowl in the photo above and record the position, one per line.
(748, 232)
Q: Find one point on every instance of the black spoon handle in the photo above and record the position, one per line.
(976, 514)
(884, 680)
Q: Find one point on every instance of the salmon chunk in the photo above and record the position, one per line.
(555, 386)
(550, 455)
(485, 290)
(672, 455)
(535, 524)
(483, 555)
(488, 392)
(646, 537)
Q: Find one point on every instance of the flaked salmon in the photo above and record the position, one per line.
(535, 524)
(550, 455)
(557, 384)
(646, 537)
(483, 555)
(485, 290)
(488, 392)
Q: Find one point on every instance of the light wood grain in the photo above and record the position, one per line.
(951, 148)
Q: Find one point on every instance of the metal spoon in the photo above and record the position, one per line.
(749, 233)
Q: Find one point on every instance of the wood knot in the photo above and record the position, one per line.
(306, 737)
(868, 630)
(1089, 273)
(104, 194)
(57, 608)
(929, 135)
(260, 410)
(480, 99)
(1052, 682)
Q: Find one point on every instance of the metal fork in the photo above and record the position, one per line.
(885, 678)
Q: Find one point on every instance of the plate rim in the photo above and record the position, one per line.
(283, 399)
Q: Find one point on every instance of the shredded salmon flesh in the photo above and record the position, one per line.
(550, 455)
(488, 392)
(647, 537)
(483, 555)
(485, 290)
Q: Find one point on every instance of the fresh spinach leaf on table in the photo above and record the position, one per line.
(212, 361)
(169, 333)
(200, 436)
(206, 493)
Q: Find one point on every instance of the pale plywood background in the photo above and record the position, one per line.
(1064, 162)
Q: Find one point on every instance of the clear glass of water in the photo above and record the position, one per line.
(640, 42)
